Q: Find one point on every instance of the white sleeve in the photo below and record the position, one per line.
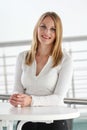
(18, 71)
(62, 86)
(50, 100)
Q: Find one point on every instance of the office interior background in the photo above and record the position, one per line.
(17, 21)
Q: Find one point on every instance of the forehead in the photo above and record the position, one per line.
(48, 20)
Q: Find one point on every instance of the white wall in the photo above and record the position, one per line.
(18, 17)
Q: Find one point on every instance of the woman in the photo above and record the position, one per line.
(43, 74)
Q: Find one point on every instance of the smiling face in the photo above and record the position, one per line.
(46, 31)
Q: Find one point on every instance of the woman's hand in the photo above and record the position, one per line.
(20, 99)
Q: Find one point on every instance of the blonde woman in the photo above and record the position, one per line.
(43, 73)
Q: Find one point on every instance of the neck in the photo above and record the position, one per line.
(44, 51)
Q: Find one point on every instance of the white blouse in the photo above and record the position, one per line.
(50, 86)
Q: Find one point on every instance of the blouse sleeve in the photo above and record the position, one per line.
(18, 72)
(62, 86)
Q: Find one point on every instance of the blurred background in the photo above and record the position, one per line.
(17, 21)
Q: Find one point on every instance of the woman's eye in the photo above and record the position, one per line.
(43, 26)
(53, 29)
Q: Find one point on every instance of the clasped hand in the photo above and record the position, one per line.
(20, 99)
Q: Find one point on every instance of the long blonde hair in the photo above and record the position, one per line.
(57, 47)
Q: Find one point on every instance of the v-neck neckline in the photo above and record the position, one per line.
(42, 70)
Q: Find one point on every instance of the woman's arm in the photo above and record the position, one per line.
(18, 72)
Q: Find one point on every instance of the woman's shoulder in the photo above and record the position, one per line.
(22, 54)
(67, 55)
